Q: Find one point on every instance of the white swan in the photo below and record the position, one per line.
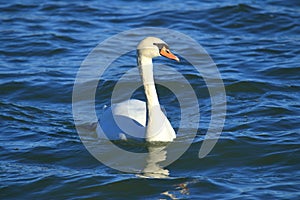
(135, 118)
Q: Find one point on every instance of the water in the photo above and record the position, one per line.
(255, 45)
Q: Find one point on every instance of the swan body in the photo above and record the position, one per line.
(138, 119)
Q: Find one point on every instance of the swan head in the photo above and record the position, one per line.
(153, 47)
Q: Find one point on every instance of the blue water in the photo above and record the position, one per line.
(255, 45)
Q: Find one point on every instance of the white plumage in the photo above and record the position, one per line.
(138, 119)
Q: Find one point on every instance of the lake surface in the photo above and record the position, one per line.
(254, 44)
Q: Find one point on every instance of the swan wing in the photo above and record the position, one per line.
(124, 120)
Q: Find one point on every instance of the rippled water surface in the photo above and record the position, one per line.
(255, 45)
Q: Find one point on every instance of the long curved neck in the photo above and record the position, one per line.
(158, 127)
(146, 71)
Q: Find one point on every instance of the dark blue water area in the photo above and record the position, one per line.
(255, 46)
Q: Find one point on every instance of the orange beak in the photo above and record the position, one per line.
(168, 54)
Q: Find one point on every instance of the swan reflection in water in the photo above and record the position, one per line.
(153, 168)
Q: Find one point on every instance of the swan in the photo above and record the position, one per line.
(134, 118)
